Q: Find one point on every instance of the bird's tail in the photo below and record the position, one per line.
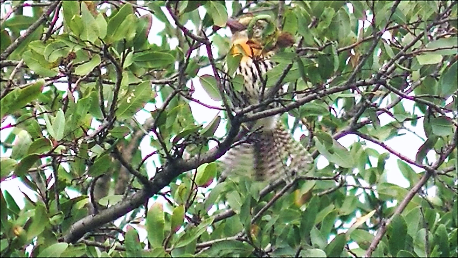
(269, 155)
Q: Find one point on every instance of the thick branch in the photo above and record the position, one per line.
(162, 179)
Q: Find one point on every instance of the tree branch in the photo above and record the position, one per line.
(29, 30)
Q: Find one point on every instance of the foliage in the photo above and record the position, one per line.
(82, 87)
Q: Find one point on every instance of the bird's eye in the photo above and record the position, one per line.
(259, 27)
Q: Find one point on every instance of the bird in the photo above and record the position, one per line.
(270, 151)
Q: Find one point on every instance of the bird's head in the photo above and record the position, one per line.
(257, 36)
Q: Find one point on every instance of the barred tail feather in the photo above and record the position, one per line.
(271, 155)
(238, 160)
(267, 156)
(295, 156)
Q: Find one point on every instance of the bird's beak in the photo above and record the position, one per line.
(234, 25)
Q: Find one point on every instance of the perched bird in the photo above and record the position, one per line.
(270, 151)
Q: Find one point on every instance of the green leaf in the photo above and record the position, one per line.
(192, 234)
(40, 146)
(120, 131)
(233, 62)
(214, 194)
(5, 41)
(54, 250)
(442, 241)
(341, 21)
(245, 213)
(362, 238)
(155, 224)
(425, 148)
(335, 248)
(177, 218)
(153, 59)
(157, 11)
(39, 222)
(11, 203)
(230, 248)
(381, 161)
(18, 98)
(290, 22)
(323, 213)
(218, 12)
(4, 214)
(90, 29)
(29, 93)
(235, 201)
(275, 73)
(210, 129)
(442, 126)
(130, 24)
(429, 58)
(209, 84)
(57, 218)
(388, 50)
(25, 164)
(94, 108)
(134, 100)
(407, 172)
(205, 174)
(397, 231)
(455, 213)
(157, 252)
(49, 122)
(413, 217)
(128, 61)
(115, 31)
(111, 200)
(193, 5)
(349, 205)
(313, 109)
(70, 9)
(87, 67)
(312, 253)
(336, 154)
(132, 243)
(301, 68)
(389, 191)
(76, 25)
(238, 83)
(59, 125)
(101, 24)
(309, 216)
(38, 64)
(7, 166)
(78, 114)
(325, 139)
(100, 166)
(450, 43)
(328, 222)
(75, 251)
(420, 242)
(448, 81)
(21, 144)
(185, 133)
(18, 22)
(143, 28)
(55, 50)
(404, 253)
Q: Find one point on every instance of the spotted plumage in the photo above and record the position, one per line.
(269, 152)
